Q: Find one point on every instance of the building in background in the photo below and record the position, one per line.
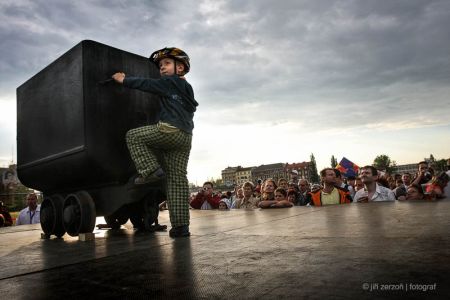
(12, 192)
(9, 178)
(274, 171)
(229, 176)
(232, 176)
(301, 168)
(408, 168)
(243, 175)
(292, 172)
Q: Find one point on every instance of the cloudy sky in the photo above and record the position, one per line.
(276, 80)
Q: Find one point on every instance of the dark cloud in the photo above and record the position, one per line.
(297, 60)
(250, 44)
(34, 33)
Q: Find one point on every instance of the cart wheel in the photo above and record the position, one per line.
(52, 215)
(79, 213)
(117, 219)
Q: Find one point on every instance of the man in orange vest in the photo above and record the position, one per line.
(330, 193)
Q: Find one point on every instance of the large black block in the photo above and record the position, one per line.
(71, 129)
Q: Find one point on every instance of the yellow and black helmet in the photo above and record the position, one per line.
(175, 53)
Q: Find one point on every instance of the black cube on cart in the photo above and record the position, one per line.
(71, 128)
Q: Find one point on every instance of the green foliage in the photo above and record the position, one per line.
(440, 165)
(383, 163)
(333, 161)
(313, 174)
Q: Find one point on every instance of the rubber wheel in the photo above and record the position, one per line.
(79, 213)
(52, 215)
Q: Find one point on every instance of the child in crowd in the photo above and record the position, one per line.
(291, 196)
(283, 183)
(224, 204)
(279, 202)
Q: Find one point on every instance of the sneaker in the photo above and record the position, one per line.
(153, 177)
(179, 231)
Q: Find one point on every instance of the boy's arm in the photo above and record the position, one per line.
(155, 86)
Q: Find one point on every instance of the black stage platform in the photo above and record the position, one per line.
(355, 251)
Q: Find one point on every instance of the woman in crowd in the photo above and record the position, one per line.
(248, 200)
(268, 190)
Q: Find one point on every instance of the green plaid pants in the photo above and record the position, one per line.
(172, 146)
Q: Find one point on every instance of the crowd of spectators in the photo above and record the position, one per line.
(370, 186)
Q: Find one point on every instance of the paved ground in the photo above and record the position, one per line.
(356, 251)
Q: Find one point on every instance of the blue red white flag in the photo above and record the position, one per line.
(347, 168)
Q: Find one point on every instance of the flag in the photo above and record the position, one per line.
(347, 168)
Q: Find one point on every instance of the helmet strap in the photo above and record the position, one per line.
(175, 62)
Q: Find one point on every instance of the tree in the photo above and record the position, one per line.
(440, 165)
(313, 175)
(432, 159)
(333, 161)
(383, 163)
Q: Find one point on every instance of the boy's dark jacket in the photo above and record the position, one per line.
(177, 99)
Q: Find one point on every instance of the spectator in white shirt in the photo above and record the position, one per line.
(31, 213)
(372, 190)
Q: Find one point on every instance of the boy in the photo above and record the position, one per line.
(172, 136)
